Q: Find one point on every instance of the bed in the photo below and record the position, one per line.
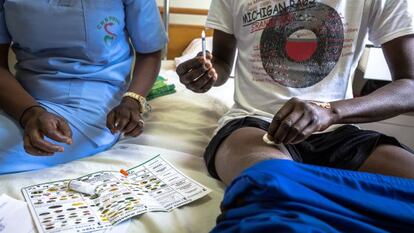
(179, 128)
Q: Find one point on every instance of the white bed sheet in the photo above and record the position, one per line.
(179, 128)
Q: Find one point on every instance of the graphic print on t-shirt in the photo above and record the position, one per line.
(301, 42)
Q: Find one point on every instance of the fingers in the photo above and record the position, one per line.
(296, 121)
(65, 131)
(203, 83)
(49, 125)
(306, 132)
(279, 119)
(134, 124)
(121, 120)
(29, 148)
(285, 126)
(312, 126)
(125, 120)
(110, 121)
(208, 85)
(193, 76)
(209, 56)
(198, 74)
(58, 130)
(35, 144)
(137, 130)
(191, 64)
(296, 132)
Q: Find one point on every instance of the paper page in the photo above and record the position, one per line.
(15, 216)
(57, 209)
(166, 184)
(152, 186)
(116, 201)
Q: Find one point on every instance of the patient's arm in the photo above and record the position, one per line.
(391, 100)
(200, 75)
(289, 127)
(224, 50)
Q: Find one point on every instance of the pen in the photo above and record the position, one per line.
(203, 43)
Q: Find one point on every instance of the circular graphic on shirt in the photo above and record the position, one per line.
(300, 46)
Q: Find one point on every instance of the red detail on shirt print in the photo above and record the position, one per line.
(300, 50)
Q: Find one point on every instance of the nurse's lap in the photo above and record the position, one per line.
(13, 157)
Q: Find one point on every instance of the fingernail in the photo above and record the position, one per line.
(69, 141)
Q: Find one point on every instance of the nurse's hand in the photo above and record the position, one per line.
(38, 124)
(198, 74)
(126, 118)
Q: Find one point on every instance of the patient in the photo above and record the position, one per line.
(72, 95)
(293, 72)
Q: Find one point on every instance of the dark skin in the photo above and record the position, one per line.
(298, 119)
(126, 118)
(39, 124)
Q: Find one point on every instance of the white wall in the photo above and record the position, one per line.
(187, 19)
(198, 4)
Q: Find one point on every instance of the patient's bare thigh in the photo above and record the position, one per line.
(390, 160)
(242, 149)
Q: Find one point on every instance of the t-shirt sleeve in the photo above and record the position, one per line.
(144, 25)
(390, 19)
(4, 34)
(220, 16)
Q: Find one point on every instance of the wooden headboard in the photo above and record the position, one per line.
(181, 35)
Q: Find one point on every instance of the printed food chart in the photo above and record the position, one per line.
(154, 185)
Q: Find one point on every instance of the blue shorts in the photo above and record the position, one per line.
(287, 196)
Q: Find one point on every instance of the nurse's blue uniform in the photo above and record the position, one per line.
(74, 57)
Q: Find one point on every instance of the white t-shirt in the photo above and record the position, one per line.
(302, 48)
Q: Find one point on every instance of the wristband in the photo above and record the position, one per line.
(25, 111)
(142, 101)
(325, 105)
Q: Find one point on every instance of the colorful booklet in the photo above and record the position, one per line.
(154, 185)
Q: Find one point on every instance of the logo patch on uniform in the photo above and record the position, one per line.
(108, 26)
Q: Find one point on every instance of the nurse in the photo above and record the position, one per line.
(72, 95)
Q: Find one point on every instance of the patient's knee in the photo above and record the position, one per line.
(243, 149)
